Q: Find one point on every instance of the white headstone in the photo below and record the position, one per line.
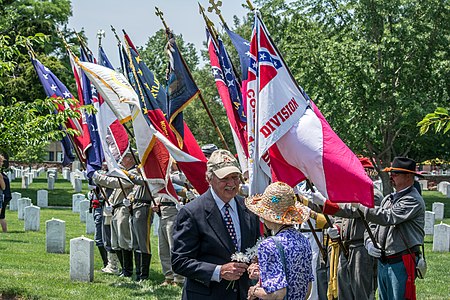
(72, 178)
(84, 206)
(32, 216)
(442, 187)
(429, 222)
(55, 236)
(441, 238)
(76, 198)
(424, 184)
(21, 204)
(438, 209)
(78, 184)
(90, 224)
(42, 198)
(66, 173)
(76, 165)
(82, 259)
(13, 203)
(51, 182)
(448, 191)
(25, 182)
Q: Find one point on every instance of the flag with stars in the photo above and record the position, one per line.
(229, 91)
(86, 93)
(54, 88)
(290, 129)
(189, 157)
(181, 89)
(243, 49)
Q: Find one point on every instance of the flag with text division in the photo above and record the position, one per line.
(94, 156)
(181, 90)
(259, 172)
(300, 142)
(193, 162)
(230, 94)
(54, 88)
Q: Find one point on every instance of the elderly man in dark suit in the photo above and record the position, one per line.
(209, 230)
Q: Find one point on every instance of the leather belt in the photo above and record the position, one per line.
(167, 204)
(118, 205)
(396, 258)
(309, 230)
(142, 201)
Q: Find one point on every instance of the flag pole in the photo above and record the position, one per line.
(314, 233)
(214, 35)
(327, 218)
(213, 121)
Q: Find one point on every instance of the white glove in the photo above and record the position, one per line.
(372, 250)
(190, 195)
(333, 232)
(318, 198)
(182, 177)
(108, 209)
(126, 202)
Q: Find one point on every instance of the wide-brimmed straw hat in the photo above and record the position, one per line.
(403, 165)
(278, 205)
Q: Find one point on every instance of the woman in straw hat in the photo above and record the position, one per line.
(284, 259)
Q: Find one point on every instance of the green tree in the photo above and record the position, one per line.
(27, 118)
(439, 119)
(373, 67)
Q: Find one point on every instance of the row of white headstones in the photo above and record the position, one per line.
(81, 248)
(27, 174)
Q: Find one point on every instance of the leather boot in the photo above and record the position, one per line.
(137, 263)
(145, 265)
(120, 258)
(127, 270)
(104, 255)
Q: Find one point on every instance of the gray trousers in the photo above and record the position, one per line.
(165, 243)
(140, 227)
(120, 229)
(356, 275)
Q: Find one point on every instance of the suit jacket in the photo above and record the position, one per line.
(201, 242)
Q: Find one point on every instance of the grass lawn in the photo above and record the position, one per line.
(28, 272)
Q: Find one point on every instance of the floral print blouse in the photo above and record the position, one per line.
(298, 259)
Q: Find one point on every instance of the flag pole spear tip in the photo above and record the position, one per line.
(160, 14)
(216, 7)
(250, 5)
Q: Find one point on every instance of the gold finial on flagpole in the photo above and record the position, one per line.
(216, 7)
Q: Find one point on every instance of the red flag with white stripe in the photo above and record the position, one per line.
(290, 128)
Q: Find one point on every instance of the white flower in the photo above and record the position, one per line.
(240, 257)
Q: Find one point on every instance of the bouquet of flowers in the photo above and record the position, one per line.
(246, 257)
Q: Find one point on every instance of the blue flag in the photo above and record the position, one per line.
(231, 81)
(54, 88)
(181, 90)
(94, 158)
(243, 49)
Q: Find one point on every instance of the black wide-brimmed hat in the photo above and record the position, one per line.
(403, 165)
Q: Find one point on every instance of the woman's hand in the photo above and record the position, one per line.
(253, 271)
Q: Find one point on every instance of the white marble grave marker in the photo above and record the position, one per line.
(13, 203)
(90, 224)
(438, 209)
(21, 204)
(424, 184)
(51, 182)
(429, 222)
(76, 198)
(42, 198)
(441, 238)
(82, 259)
(55, 236)
(84, 206)
(78, 184)
(32, 216)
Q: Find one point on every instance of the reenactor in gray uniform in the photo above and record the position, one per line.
(120, 221)
(141, 220)
(399, 232)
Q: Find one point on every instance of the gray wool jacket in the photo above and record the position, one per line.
(403, 211)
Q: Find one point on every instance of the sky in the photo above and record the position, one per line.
(138, 19)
